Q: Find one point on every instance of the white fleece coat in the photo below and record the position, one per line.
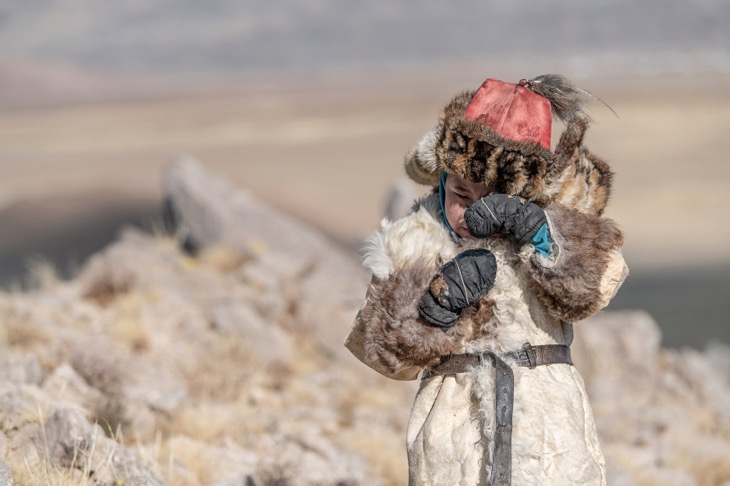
(554, 439)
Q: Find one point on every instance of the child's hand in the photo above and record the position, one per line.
(460, 283)
(500, 213)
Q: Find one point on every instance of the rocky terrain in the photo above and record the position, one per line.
(210, 353)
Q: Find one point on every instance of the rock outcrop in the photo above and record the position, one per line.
(214, 357)
(663, 415)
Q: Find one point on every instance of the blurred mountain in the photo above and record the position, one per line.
(223, 37)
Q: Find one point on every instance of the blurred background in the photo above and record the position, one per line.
(312, 103)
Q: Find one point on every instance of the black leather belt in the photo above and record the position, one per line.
(504, 388)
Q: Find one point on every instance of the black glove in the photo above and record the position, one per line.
(435, 314)
(500, 213)
(460, 283)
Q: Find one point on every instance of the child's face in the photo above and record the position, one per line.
(459, 194)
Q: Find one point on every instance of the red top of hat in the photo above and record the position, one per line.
(513, 111)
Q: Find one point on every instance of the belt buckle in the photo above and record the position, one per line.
(531, 354)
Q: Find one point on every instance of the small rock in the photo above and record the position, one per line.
(65, 385)
(23, 369)
(269, 343)
(72, 442)
(218, 464)
(6, 475)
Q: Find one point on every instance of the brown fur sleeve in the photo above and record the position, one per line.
(588, 268)
(389, 334)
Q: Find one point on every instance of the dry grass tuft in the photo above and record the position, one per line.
(46, 474)
(127, 326)
(106, 288)
(42, 471)
(102, 371)
(99, 368)
(241, 421)
(387, 457)
(708, 467)
(110, 414)
(132, 333)
(204, 422)
(275, 472)
(364, 397)
(223, 258)
(192, 469)
(23, 334)
(219, 373)
(42, 274)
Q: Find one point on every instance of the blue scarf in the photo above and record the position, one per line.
(442, 200)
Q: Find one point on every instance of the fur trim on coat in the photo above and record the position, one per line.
(587, 270)
(397, 341)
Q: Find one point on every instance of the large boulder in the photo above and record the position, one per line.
(320, 280)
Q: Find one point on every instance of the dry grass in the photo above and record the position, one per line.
(132, 333)
(205, 422)
(105, 289)
(41, 273)
(43, 471)
(22, 334)
(46, 474)
(386, 457)
(102, 370)
(128, 326)
(376, 442)
(705, 458)
(186, 464)
(256, 412)
(222, 258)
(276, 472)
(219, 370)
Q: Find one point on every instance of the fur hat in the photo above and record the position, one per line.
(499, 136)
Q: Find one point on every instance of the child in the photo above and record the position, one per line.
(480, 284)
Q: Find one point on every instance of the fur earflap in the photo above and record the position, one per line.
(421, 162)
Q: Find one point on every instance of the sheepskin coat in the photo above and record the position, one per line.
(535, 299)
